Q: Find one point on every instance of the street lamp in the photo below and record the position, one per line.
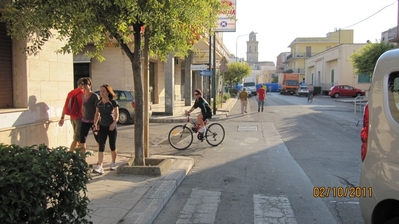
(237, 42)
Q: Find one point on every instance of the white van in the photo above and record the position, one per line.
(379, 178)
(250, 84)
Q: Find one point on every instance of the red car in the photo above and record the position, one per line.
(345, 90)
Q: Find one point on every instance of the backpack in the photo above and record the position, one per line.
(73, 106)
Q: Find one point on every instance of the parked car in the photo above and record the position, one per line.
(302, 91)
(345, 90)
(127, 104)
(378, 190)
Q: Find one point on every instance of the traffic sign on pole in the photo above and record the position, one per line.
(205, 73)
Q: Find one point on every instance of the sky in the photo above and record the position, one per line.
(278, 23)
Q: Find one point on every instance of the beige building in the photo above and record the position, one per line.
(305, 47)
(333, 67)
(171, 81)
(32, 93)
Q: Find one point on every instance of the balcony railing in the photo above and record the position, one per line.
(296, 55)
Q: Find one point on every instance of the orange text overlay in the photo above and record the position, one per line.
(342, 192)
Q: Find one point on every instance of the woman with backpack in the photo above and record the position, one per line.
(108, 110)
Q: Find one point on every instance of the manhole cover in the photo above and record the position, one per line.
(247, 128)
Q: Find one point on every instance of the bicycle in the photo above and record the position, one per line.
(181, 136)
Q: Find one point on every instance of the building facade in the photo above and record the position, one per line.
(333, 67)
(170, 81)
(33, 92)
(305, 47)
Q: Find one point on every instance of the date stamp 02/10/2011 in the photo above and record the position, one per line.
(342, 192)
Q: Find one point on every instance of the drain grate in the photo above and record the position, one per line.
(247, 128)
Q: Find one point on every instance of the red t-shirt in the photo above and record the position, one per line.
(261, 93)
(78, 92)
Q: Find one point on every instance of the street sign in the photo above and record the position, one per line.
(223, 68)
(199, 67)
(205, 73)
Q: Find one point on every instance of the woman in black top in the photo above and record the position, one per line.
(106, 117)
(206, 111)
(89, 100)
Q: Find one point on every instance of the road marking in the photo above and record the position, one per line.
(270, 209)
(247, 128)
(201, 207)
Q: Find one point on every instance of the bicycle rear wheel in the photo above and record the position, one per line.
(214, 134)
(180, 137)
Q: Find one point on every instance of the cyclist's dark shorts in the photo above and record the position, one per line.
(206, 116)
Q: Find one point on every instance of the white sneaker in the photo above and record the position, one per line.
(99, 169)
(202, 129)
(113, 166)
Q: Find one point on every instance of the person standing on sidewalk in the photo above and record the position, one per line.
(88, 110)
(261, 98)
(244, 100)
(108, 110)
(73, 108)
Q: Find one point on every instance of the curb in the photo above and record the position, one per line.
(153, 201)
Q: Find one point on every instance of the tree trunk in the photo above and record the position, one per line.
(139, 99)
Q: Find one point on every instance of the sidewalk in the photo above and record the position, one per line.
(125, 199)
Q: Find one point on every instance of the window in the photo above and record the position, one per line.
(363, 78)
(6, 77)
(393, 95)
(122, 96)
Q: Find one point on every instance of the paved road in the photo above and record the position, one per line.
(272, 158)
(269, 164)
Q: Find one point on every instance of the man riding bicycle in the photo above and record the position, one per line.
(206, 111)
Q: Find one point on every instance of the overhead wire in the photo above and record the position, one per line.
(370, 16)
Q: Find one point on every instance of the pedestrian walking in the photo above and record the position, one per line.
(261, 98)
(73, 108)
(244, 100)
(310, 94)
(88, 111)
(108, 110)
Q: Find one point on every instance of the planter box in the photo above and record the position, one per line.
(153, 167)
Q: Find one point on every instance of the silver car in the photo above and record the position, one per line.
(127, 104)
(378, 189)
(302, 91)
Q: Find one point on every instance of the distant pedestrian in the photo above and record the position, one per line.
(108, 110)
(261, 98)
(88, 111)
(73, 108)
(244, 100)
(310, 94)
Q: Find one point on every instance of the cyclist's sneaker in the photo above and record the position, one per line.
(113, 166)
(99, 169)
(203, 130)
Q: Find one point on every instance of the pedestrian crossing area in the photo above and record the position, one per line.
(202, 205)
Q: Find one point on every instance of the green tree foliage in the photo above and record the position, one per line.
(365, 58)
(171, 26)
(236, 72)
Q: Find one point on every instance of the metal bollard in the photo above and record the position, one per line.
(358, 111)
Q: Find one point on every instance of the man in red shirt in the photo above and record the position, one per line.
(261, 97)
(76, 116)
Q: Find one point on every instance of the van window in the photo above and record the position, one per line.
(393, 95)
(249, 84)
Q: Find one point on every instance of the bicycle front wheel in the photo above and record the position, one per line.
(214, 134)
(180, 137)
